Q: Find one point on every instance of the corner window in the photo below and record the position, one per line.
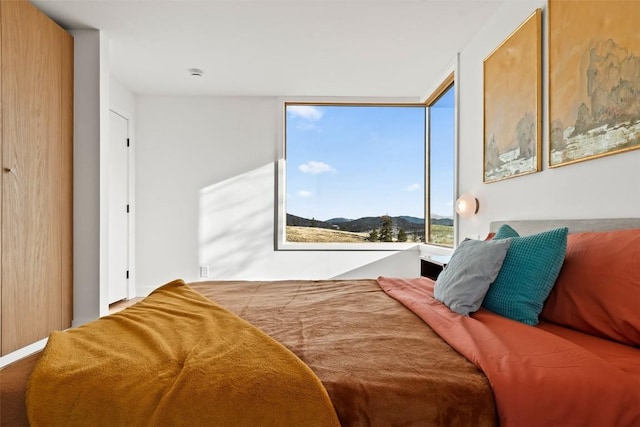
(356, 176)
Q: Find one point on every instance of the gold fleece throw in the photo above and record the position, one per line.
(173, 359)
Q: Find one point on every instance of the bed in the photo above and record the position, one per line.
(386, 352)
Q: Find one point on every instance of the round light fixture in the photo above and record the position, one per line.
(467, 205)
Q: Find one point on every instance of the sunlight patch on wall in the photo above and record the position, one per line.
(234, 223)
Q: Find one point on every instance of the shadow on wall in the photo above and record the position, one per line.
(236, 222)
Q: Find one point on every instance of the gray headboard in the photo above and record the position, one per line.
(526, 227)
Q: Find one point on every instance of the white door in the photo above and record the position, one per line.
(118, 202)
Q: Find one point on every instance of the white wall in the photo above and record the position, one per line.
(205, 191)
(91, 102)
(598, 188)
(95, 92)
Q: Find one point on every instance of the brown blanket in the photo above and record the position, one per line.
(13, 391)
(174, 359)
(380, 363)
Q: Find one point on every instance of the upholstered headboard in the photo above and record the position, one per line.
(526, 227)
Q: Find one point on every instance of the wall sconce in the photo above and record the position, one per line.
(467, 205)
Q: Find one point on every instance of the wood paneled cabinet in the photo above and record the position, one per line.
(36, 182)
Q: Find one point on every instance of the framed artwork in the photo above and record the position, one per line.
(594, 79)
(512, 103)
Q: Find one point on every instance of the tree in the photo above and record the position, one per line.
(402, 235)
(373, 236)
(385, 229)
(314, 223)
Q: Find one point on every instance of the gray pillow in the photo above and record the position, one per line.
(465, 280)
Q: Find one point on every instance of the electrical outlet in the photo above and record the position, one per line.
(204, 271)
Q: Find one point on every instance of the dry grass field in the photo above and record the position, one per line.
(440, 234)
(323, 235)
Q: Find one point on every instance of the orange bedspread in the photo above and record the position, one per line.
(174, 359)
(538, 378)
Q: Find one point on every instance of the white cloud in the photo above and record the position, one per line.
(308, 112)
(304, 193)
(315, 168)
(412, 187)
(308, 126)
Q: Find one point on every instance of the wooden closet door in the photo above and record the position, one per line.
(2, 173)
(36, 193)
(65, 164)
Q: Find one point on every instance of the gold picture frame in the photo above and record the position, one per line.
(513, 104)
(594, 79)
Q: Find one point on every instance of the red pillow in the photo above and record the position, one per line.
(598, 289)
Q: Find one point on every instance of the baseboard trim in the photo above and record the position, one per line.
(22, 352)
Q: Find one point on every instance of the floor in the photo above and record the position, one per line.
(121, 305)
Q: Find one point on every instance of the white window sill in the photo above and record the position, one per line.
(291, 246)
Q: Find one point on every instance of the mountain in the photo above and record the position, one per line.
(359, 225)
(368, 223)
(414, 220)
(338, 220)
(304, 222)
(442, 221)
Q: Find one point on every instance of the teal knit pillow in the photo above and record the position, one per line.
(505, 231)
(528, 273)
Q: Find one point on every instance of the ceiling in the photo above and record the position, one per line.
(380, 48)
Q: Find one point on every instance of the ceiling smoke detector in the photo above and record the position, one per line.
(195, 72)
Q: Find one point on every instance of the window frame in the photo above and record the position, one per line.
(280, 216)
(443, 87)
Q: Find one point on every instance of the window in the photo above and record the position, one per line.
(355, 175)
(441, 161)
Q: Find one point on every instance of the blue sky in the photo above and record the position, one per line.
(356, 161)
